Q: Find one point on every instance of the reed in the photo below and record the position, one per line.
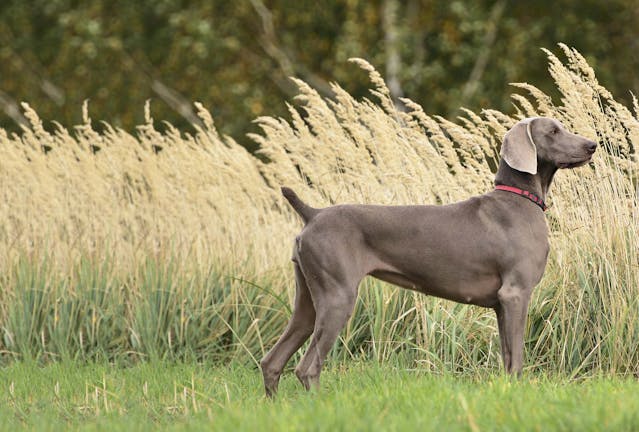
(169, 245)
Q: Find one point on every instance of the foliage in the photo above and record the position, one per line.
(236, 57)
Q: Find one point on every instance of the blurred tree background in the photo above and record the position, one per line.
(235, 56)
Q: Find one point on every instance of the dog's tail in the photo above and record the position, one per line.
(305, 211)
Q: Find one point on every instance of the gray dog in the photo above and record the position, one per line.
(489, 250)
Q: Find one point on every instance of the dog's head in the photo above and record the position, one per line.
(544, 139)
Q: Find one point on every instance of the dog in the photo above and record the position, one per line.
(490, 250)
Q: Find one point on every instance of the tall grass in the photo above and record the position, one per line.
(166, 245)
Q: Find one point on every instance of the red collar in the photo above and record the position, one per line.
(531, 196)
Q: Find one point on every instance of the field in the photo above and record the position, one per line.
(174, 249)
(357, 397)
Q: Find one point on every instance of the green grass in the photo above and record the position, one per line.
(354, 396)
(155, 313)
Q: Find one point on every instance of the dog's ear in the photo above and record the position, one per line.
(518, 149)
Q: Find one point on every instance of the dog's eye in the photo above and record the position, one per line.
(555, 131)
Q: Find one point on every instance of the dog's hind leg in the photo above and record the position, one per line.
(297, 332)
(334, 307)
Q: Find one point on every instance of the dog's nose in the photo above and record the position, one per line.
(591, 146)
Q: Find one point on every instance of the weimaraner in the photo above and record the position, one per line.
(489, 250)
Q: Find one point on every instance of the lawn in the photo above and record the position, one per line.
(354, 396)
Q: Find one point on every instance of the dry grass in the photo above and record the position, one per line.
(168, 213)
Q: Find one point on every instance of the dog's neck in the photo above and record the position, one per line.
(538, 183)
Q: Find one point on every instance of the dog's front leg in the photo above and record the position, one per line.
(512, 312)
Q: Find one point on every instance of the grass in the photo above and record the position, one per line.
(354, 396)
(157, 313)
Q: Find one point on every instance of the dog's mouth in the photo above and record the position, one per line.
(575, 164)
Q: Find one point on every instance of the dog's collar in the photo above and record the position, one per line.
(526, 194)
